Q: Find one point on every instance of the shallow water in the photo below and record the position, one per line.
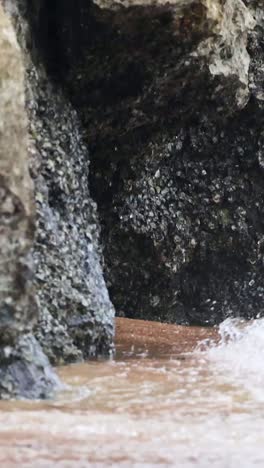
(174, 396)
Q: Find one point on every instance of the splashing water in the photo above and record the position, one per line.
(238, 358)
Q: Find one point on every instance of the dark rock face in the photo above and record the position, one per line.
(76, 319)
(69, 307)
(24, 370)
(171, 97)
(76, 315)
(168, 97)
(197, 217)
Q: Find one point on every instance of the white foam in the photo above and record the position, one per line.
(239, 356)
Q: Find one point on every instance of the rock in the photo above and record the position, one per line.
(76, 315)
(25, 371)
(56, 289)
(17, 211)
(19, 352)
(168, 98)
(171, 96)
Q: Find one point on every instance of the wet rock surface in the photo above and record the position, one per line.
(76, 318)
(171, 96)
(76, 315)
(24, 370)
(54, 305)
(154, 112)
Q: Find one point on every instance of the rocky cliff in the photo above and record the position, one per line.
(24, 369)
(75, 313)
(155, 112)
(53, 295)
(171, 97)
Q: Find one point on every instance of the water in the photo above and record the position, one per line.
(174, 396)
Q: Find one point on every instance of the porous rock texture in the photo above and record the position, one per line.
(171, 97)
(54, 305)
(168, 98)
(75, 313)
(24, 369)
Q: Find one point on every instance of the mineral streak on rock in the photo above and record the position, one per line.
(19, 352)
(228, 56)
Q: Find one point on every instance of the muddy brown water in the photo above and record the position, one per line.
(173, 396)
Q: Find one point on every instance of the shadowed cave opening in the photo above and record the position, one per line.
(148, 110)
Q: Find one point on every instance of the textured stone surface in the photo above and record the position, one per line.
(171, 96)
(25, 371)
(76, 315)
(168, 96)
(19, 352)
(16, 190)
(69, 309)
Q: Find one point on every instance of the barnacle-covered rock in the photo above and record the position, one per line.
(24, 370)
(171, 96)
(168, 98)
(76, 315)
(76, 319)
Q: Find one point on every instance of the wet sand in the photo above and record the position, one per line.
(153, 339)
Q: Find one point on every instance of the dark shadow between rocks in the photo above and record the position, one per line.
(175, 163)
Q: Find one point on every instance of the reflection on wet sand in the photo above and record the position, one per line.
(139, 338)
